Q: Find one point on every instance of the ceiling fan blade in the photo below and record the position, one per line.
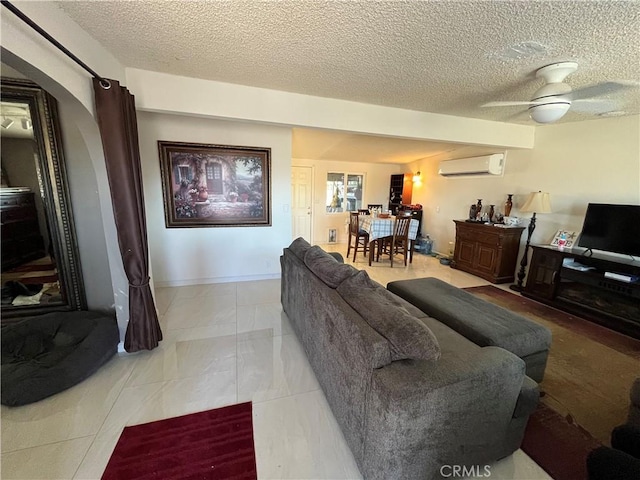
(594, 105)
(605, 88)
(505, 104)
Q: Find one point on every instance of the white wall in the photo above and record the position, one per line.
(376, 190)
(185, 256)
(88, 217)
(577, 163)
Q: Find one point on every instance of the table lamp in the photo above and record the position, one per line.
(537, 202)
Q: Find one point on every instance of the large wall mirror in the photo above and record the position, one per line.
(40, 262)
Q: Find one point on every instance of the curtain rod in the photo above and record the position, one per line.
(104, 83)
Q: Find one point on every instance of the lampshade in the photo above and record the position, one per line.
(537, 202)
(416, 176)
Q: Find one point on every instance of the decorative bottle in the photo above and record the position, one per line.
(491, 212)
(508, 205)
(479, 209)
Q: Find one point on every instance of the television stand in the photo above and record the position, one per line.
(586, 291)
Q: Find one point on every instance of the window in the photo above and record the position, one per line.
(344, 192)
(184, 174)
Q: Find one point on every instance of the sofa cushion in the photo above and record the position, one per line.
(326, 267)
(299, 247)
(480, 321)
(408, 337)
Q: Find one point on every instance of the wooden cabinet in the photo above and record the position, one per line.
(487, 251)
(401, 188)
(586, 290)
(21, 239)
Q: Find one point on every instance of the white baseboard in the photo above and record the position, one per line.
(206, 281)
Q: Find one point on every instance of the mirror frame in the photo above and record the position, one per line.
(54, 191)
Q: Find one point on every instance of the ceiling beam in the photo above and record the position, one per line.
(165, 93)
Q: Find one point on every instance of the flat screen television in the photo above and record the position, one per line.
(612, 228)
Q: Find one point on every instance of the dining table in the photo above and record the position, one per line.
(378, 227)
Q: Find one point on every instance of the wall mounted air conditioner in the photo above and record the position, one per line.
(484, 165)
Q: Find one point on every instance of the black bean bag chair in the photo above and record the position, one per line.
(46, 354)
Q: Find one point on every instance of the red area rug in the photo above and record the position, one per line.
(557, 445)
(216, 444)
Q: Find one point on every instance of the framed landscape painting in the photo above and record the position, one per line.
(215, 185)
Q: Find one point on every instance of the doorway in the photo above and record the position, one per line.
(301, 202)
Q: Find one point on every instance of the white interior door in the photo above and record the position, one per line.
(301, 213)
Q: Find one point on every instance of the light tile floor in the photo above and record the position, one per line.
(223, 344)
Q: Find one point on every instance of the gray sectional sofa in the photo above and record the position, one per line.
(412, 396)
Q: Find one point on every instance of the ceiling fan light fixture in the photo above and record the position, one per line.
(549, 113)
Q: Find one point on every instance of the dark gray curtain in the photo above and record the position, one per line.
(116, 113)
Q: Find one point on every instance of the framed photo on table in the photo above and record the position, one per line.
(569, 236)
(215, 185)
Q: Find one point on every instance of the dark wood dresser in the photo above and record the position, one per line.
(487, 251)
(21, 238)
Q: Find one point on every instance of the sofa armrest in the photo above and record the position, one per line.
(423, 415)
(338, 256)
(528, 398)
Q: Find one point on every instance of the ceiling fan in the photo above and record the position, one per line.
(553, 100)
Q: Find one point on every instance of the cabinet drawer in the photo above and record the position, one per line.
(8, 201)
(16, 230)
(488, 238)
(473, 235)
(30, 245)
(14, 200)
(21, 212)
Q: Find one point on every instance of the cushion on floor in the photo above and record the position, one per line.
(46, 354)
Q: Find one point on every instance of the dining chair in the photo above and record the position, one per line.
(358, 236)
(364, 211)
(398, 242)
(374, 205)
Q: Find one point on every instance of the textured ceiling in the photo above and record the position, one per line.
(442, 57)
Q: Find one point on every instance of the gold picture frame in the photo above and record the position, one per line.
(215, 185)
